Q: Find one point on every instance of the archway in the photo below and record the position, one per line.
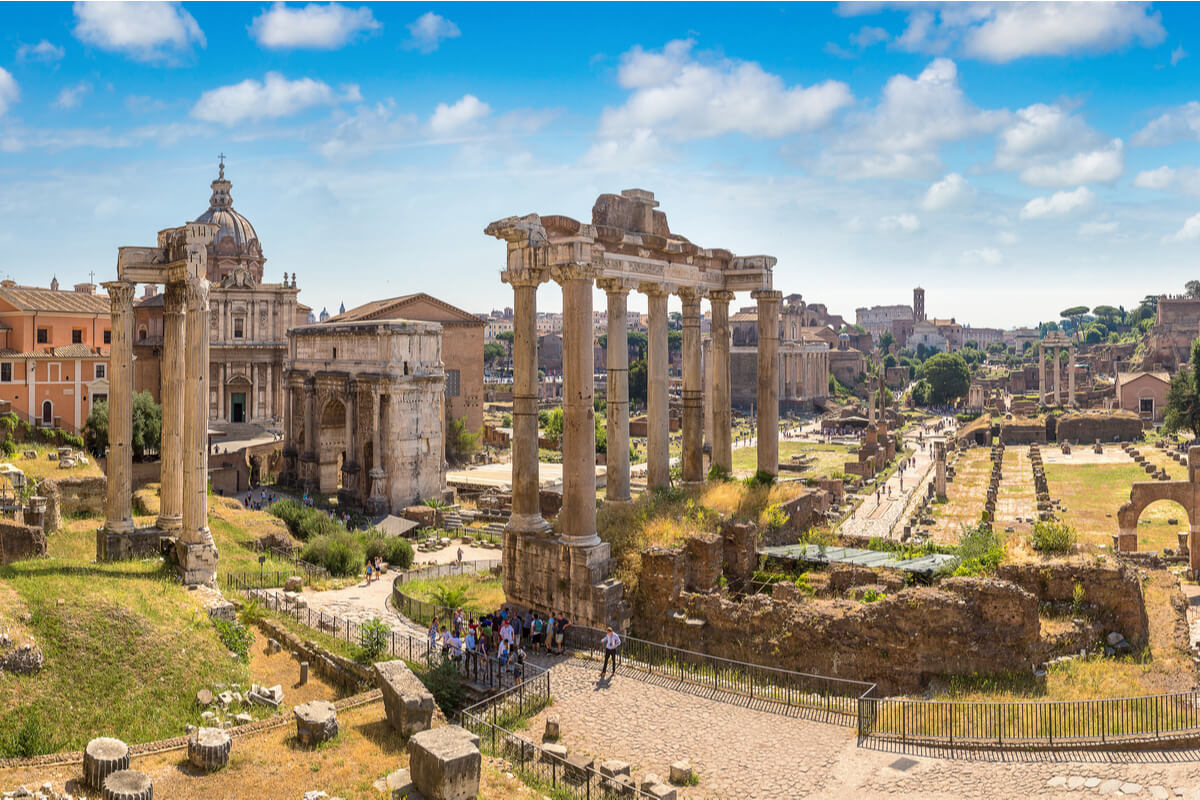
(47, 413)
(239, 393)
(1184, 494)
(332, 438)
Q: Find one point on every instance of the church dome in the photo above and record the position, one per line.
(234, 231)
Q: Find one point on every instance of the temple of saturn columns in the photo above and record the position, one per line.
(627, 247)
(1055, 341)
(180, 262)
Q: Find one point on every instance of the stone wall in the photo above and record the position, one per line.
(350, 675)
(71, 496)
(19, 541)
(1114, 426)
(1023, 430)
(1111, 590)
(544, 574)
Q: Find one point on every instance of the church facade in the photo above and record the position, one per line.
(249, 320)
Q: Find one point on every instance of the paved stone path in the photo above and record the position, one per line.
(741, 752)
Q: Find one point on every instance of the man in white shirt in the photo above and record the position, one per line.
(506, 632)
(611, 643)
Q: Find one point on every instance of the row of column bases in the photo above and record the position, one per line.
(578, 514)
(1057, 355)
(184, 439)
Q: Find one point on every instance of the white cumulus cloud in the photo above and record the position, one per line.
(1058, 204)
(449, 119)
(1002, 32)
(986, 256)
(901, 136)
(10, 92)
(428, 31)
(1098, 227)
(950, 190)
(1181, 124)
(142, 31)
(1189, 232)
(905, 223)
(368, 129)
(678, 94)
(316, 26)
(70, 96)
(42, 51)
(1159, 178)
(1048, 146)
(275, 96)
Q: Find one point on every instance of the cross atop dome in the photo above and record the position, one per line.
(221, 198)
(221, 165)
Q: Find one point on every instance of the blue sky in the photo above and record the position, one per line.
(1013, 159)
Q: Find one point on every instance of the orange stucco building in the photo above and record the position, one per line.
(53, 352)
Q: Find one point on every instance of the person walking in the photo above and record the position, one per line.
(611, 642)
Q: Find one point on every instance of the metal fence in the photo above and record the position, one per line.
(1022, 725)
(538, 768)
(485, 672)
(435, 571)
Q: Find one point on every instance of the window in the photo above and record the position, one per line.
(76, 336)
(1146, 405)
(141, 334)
(43, 335)
(47, 413)
(452, 383)
(107, 336)
(101, 370)
(238, 322)
(5, 373)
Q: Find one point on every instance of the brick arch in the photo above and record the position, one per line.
(1143, 493)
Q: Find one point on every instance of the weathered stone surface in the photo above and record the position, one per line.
(204, 698)
(662, 791)
(396, 784)
(208, 748)
(102, 757)
(19, 541)
(128, 784)
(295, 583)
(316, 722)
(408, 704)
(612, 768)
(553, 730)
(445, 763)
(26, 659)
(681, 772)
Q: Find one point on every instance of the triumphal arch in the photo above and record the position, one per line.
(627, 247)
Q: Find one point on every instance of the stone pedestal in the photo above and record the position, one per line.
(445, 763)
(128, 784)
(407, 703)
(101, 758)
(1127, 541)
(543, 573)
(208, 748)
(316, 722)
(377, 503)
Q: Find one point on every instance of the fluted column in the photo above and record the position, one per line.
(526, 505)
(722, 421)
(308, 459)
(1071, 375)
(768, 379)
(579, 417)
(170, 517)
(1058, 376)
(692, 456)
(658, 422)
(118, 505)
(1041, 356)
(616, 487)
(195, 550)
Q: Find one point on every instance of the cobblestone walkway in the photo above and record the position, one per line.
(747, 754)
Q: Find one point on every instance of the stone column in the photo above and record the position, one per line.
(693, 404)
(308, 458)
(526, 504)
(170, 517)
(195, 551)
(658, 421)
(616, 486)
(118, 507)
(1057, 376)
(377, 501)
(722, 419)
(1041, 356)
(350, 467)
(1071, 375)
(939, 477)
(768, 379)
(579, 418)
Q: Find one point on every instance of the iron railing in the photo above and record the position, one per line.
(538, 768)
(1031, 724)
(435, 571)
(485, 671)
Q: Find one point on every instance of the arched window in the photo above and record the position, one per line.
(47, 413)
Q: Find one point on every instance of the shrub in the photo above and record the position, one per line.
(315, 523)
(8, 446)
(980, 551)
(290, 512)
(446, 685)
(340, 553)
(774, 517)
(1053, 537)
(760, 478)
(397, 552)
(718, 473)
(872, 595)
(235, 636)
(373, 637)
(450, 596)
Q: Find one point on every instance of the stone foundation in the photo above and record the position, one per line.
(544, 574)
(1113, 426)
(19, 542)
(139, 543)
(84, 496)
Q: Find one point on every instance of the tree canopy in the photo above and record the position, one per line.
(885, 341)
(147, 426)
(493, 351)
(505, 336)
(948, 376)
(1183, 398)
(1192, 288)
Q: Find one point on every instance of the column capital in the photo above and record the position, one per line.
(196, 294)
(767, 295)
(120, 294)
(616, 285)
(691, 294)
(574, 271)
(721, 295)
(174, 298)
(525, 276)
(656, 289)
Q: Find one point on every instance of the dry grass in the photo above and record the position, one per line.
(42, 467)
(1092, 493)
(965, 496)
(829, 459)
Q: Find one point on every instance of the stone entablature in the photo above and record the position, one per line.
(363, 415)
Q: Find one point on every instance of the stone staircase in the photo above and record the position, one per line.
(452, 518)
